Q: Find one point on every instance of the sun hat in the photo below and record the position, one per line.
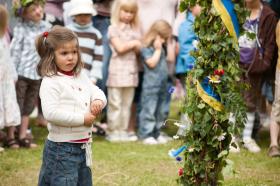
(81, 7)
(20, 5)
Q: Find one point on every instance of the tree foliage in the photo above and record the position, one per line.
(210, 134)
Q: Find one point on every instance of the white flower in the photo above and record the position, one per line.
(221, 137)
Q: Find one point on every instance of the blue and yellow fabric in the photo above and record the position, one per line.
(207, 94)
(226, 10)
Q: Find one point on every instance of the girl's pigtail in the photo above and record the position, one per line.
(41, 45)
(45, 53)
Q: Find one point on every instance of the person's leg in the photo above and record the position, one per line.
(161, 116)
(84, 173)
(147, 120)
(114, 113)
(252, 102)
(127, 98)
(275, 120)
(29, 104)
(136, 106)
(61, 164)
(274, 133)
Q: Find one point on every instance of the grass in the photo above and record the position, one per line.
(135, 164)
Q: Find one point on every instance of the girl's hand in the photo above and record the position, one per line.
(158, 42)
(137, 45)
(89, 119)
(96, 107)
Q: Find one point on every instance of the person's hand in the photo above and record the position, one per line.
(94, 81)
(158, 42)
(137, 45)
(89, 119)
(96, 107)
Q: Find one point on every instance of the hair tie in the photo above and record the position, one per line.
(45, 35)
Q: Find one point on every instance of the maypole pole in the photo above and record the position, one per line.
(213, 91)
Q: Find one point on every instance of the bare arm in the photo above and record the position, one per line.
(121, 47)
(153, 61)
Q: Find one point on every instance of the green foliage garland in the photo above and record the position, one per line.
(210, 134)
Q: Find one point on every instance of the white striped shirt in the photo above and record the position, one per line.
(90, 41)
(23, 50)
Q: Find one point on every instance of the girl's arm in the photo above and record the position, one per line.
(17, 44)
(121, 47)
(153, 61)
(50, 98)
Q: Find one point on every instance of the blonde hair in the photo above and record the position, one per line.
(161, 28)
(4, 20)
(128, 5)
(47, 43)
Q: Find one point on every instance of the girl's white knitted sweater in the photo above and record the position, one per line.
(65, 100)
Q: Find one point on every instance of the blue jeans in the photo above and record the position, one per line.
(64, 164)
(152, 114)
(102, 23)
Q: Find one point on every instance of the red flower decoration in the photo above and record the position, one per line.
(45, 34)
(216, 72)
(219, 72)
(180, 172)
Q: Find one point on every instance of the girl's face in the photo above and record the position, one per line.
(126, 16)
(66, 56)
(83, 19)
(34, 13)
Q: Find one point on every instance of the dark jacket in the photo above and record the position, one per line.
(265, 58)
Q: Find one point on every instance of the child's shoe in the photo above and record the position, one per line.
(113, 137)
(251, 145)
(150, 141)
(129, 136)
(162, 139)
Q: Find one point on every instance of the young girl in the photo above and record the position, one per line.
(154, 87)
(123, 70)
(25, 58)
(9, 110)
(70, 104)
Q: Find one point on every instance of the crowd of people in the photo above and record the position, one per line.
(132, 50)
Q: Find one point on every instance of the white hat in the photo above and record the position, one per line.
(82, 7)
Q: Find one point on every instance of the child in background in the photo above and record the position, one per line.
(256, 59)
(124, 37)
(70, 103)
(25, 58)
(90, 39)
(187, 41)
(9, 110)
(154, 87)
(54, 12)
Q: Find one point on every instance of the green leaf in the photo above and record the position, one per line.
(223, 153)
